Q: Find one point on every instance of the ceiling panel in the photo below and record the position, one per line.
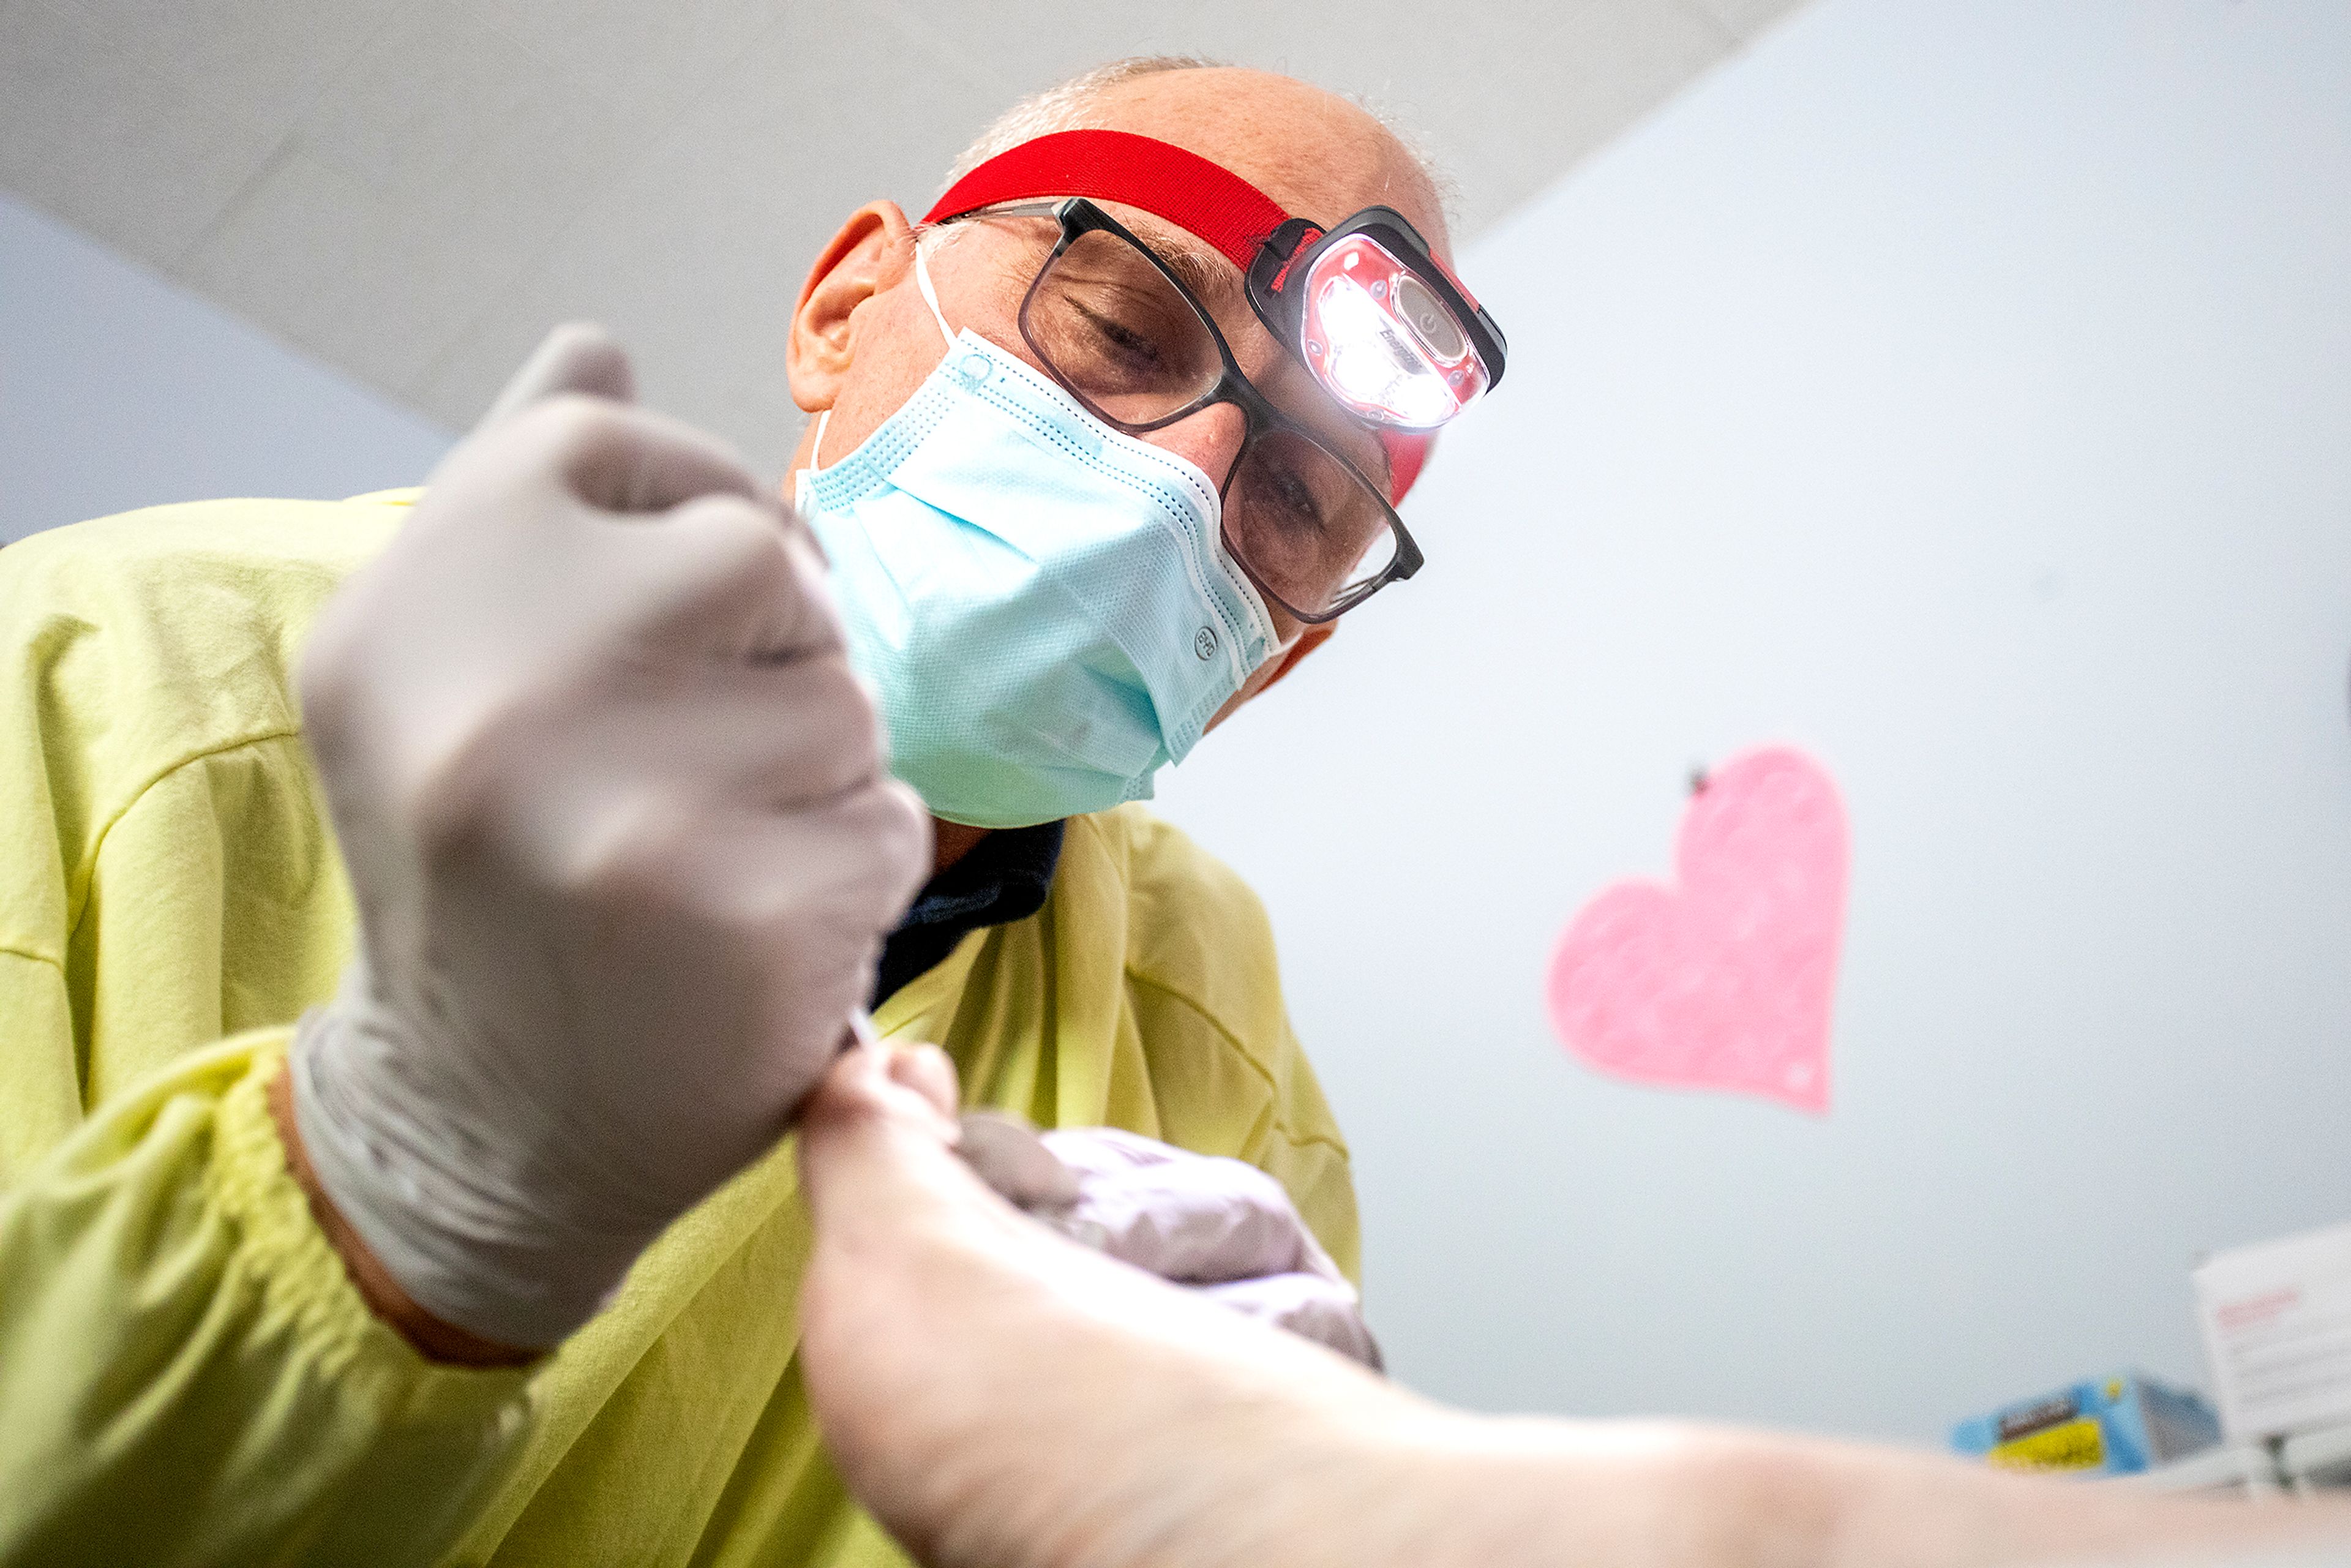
(1745, 17)
(263, 60)
(645, 58)
(110, 141)
(413, 190)
(695, 254)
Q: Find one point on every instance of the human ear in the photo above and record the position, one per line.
(870, 254)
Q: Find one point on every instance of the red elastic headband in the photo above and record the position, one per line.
(1201, 198)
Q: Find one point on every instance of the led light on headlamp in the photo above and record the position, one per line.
(1385, 329)
(1380, 340)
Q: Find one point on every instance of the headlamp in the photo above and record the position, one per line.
(1385, 329)
(1373, 316)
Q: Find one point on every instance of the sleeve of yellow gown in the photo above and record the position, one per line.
(167, 876)
(187, 1373)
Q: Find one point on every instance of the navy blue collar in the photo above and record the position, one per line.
(1003, 878)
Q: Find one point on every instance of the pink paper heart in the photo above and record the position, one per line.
(1726, 979)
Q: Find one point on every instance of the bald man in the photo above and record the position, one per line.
(958, 1354)
(550, 800)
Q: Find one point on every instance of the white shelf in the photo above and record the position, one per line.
(2320, 1458)
(2247, 1467)
(2307, 1462)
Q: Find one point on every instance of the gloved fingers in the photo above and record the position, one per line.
(744, 583)
(761, 737)
(717, 579)
(807, 732)
(612, 456)
(1112, 1151)
(1324, 1311)
(1012, 1159)
(797, 526)
(1108, 1151)
(799, 875)
(575, 357)
(780, 910)
(795, 896)
(1198, 1220)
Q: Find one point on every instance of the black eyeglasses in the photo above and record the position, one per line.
(1113, 323)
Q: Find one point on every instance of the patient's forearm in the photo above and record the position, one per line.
(1418, 1486)
(1697, 1497)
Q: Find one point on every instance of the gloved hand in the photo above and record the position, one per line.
(622, 842)
(1226, 1229)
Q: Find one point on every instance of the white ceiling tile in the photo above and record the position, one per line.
(649, 60)
(767, 422)
(439, 97)
(106, 142)
(209, 46)
(1055, 39)
(436, 164)
(1527, 65)
(1560, 83)
(330, 263)
(694, 257)
(1368, 58)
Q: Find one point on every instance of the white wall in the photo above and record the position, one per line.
(119, 390)
(1964, 392)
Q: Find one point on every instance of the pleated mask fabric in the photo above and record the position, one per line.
(1044, 603)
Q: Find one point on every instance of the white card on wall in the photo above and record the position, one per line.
(2276, 1318)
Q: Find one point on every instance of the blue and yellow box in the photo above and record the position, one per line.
(2117, 1425)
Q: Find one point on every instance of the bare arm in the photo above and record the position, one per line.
(999, 1397)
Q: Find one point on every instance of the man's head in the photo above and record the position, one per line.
(863, 340)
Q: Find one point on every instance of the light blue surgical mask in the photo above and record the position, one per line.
(1042, 603)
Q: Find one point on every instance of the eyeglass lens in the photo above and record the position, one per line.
(1109, 323)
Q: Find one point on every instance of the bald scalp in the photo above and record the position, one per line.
(1311, 151)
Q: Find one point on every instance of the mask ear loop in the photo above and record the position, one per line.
(816, 453)
(931, 294)
(931, 298)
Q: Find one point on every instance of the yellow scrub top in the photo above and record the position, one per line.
(185, 1371)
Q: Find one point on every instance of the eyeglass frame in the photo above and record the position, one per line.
(1078, 217)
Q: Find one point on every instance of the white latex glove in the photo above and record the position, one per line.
(1226, 1229)
(622, 845)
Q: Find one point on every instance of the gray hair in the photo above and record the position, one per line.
(1071, 105)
